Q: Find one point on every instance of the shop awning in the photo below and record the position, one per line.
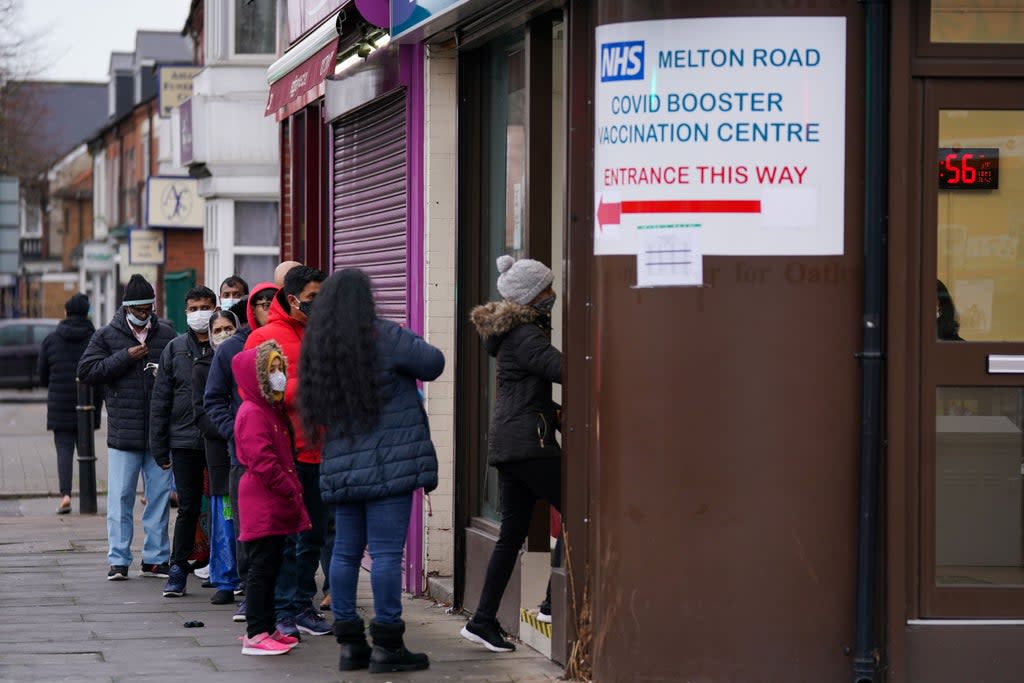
(296, 79)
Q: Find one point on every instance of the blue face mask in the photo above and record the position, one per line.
(138, 322)
(227, 302)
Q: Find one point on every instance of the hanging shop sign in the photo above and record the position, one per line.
(97, 257)
(175, 83)
(719, 136)
(173, 203)
(408, 15)
(146, 247)
(304, 80)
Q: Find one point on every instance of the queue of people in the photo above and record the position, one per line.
(292, 414)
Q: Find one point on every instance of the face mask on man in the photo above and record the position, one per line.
(138, 322)
(199, 321)
(305, 307)
(227, 302)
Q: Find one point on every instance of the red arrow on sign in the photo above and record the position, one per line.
(610, 213)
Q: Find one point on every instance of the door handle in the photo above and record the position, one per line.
(1005, 364)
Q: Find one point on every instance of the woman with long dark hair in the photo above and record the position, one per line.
(357, 390)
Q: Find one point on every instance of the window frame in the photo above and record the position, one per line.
(1002, 52)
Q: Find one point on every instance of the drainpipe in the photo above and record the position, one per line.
(876, 148)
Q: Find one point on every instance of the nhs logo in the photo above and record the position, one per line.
(622, 61)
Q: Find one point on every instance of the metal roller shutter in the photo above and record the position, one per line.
(370, 199)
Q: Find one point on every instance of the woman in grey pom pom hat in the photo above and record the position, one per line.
(522, 445)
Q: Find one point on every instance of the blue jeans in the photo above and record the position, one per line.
(296, 581)
(123, 468)
(381, 524)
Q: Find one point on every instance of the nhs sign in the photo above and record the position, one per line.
(622, 61)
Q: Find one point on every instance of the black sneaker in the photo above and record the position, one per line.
(118, 572)
(488, 634)
(222, 598)
(175, 586)
(154, 571)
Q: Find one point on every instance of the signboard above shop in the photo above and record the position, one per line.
(175, 84)
(408, 15)
(173, 203)
(146, 247)
(720, 136)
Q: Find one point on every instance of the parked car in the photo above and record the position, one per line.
(20, 340)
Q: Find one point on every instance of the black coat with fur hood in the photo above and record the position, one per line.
(524, 420)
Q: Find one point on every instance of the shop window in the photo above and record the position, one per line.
(977, 21)
(255, 27)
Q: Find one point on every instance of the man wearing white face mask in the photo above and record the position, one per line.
(173, 429)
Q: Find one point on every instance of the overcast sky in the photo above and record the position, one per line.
(76, 37)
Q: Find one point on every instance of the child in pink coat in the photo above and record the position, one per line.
(269, 494)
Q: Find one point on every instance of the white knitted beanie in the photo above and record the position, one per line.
(521, 281)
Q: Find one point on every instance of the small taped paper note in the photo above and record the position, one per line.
(670, 256)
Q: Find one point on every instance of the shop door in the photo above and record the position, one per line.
(370, 200)
(972, 343)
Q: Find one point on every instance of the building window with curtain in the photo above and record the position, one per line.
(257, 240)
(255, 27)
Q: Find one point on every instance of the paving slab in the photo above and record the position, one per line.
(66, 622)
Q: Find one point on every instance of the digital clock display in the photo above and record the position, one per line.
(968, 168)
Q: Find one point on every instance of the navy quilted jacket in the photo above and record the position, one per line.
(397, 456)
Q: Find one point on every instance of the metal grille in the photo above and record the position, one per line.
(370, 214)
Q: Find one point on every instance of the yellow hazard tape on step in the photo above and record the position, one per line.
(527, 616)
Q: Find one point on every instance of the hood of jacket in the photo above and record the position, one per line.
(252, 374)
(75, 328)
(496, 319)
(261, 287)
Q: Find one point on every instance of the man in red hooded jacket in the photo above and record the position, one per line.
(296, 584)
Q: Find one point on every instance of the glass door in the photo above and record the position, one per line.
(972, 431)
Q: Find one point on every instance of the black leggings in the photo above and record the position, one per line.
(520, 484)
(65, 443)
(188, 466)
(265, 556)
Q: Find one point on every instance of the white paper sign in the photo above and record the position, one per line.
(670, 255)
(737, 123)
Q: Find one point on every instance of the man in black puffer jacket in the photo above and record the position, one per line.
(522, 443)
(58, 369)
(122, 358)
(174, 432)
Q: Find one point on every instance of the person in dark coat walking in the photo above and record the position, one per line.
(58, 370)
(174, 433)
(357, 388)
(522, 445)
(223, 325)
(122, 358)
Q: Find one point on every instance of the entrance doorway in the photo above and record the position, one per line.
(511, 198)
(972, 351)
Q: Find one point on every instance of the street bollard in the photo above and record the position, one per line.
(86, 450)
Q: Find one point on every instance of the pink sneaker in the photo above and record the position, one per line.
(263, 644)
(290, 641)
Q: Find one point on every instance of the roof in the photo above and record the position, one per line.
(162, 46)
(64, 112)
(121, 61)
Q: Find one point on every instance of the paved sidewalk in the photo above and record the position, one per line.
(28, 459)
(62, 620)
